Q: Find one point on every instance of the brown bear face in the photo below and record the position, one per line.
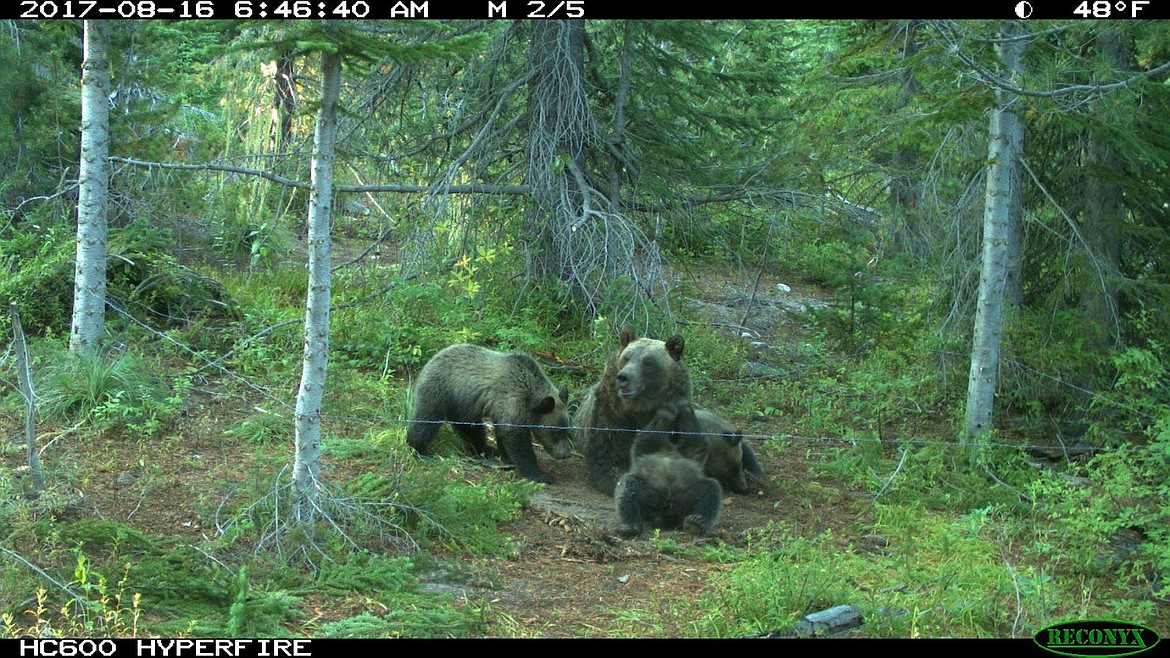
(725, 462)
(646, 369)
(731, 459)
(552, 431)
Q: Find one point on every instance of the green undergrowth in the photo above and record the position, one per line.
(914, 574)
(950, 548)
(134, 584)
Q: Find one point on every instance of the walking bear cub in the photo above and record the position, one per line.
(665, 488)
(465, 384)
(639, 378)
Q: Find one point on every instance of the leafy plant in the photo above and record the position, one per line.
(933, 575)
(1123, 491)
(101, 608)
(38, 274)
(258, 614)
(251, 242)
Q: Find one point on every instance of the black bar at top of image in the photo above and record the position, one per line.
(1029, 10)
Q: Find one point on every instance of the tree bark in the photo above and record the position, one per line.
(284, 102)
(1102, 216)
(573, 232)
(1011, 54)
(89, 283)
(558, 130)
(616, 142)
(1005, 144)
(306, 468)
(24, 379)
(905, 182)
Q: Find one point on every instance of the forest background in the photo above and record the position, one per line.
(921, 265)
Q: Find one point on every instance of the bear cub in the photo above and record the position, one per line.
(638, 379)
(730, 459)
(465, 384)
(665, 488)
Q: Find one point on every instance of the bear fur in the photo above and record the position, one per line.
(664, 488)
(638, 379)
(730, 459)
(465, 384)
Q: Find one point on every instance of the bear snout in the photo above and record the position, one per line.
(556, 443)
(561, 450)
(625, 386)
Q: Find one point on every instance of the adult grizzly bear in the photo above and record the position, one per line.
(464, 384)
(730, 459)
(639, 378)
(664, 488)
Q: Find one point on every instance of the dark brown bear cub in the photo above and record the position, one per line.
(639, 378)
(665, 489)
(730, 459)
(466, 384)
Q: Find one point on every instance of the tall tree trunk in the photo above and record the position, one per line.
(1005, 145)
(1011, 55)
(308, 410)
(1013, 276)
(620, 160)
(573, 232)
(1102, 217)
(905, 183)
(284, 103)
(89, 282)
(558, 129)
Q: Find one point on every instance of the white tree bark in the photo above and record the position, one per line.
(308, 409)
(89, 283)
(1005, 145)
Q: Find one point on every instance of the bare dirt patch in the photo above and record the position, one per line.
(571, 576)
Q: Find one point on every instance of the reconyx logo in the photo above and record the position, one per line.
(1094, 638)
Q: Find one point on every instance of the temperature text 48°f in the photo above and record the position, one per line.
(1110, 9)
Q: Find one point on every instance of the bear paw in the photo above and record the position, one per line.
(627, 531)
(695, 524)
(546, 478)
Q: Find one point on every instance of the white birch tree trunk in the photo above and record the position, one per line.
(1005, 146)
(89, 283)
(312, 389)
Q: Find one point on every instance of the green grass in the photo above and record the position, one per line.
(951, 551)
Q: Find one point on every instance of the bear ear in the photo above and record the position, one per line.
(674, 346)
(564, 394)
(545, 405)
(626, 337)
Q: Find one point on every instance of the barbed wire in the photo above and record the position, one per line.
(852, 440)
(216, 364)
(208, 363)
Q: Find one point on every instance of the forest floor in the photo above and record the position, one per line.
(569, 574)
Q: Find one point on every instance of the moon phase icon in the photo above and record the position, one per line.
(1023, 9)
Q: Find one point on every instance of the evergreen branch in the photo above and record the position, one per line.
(1001, 83)
(404, 188)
